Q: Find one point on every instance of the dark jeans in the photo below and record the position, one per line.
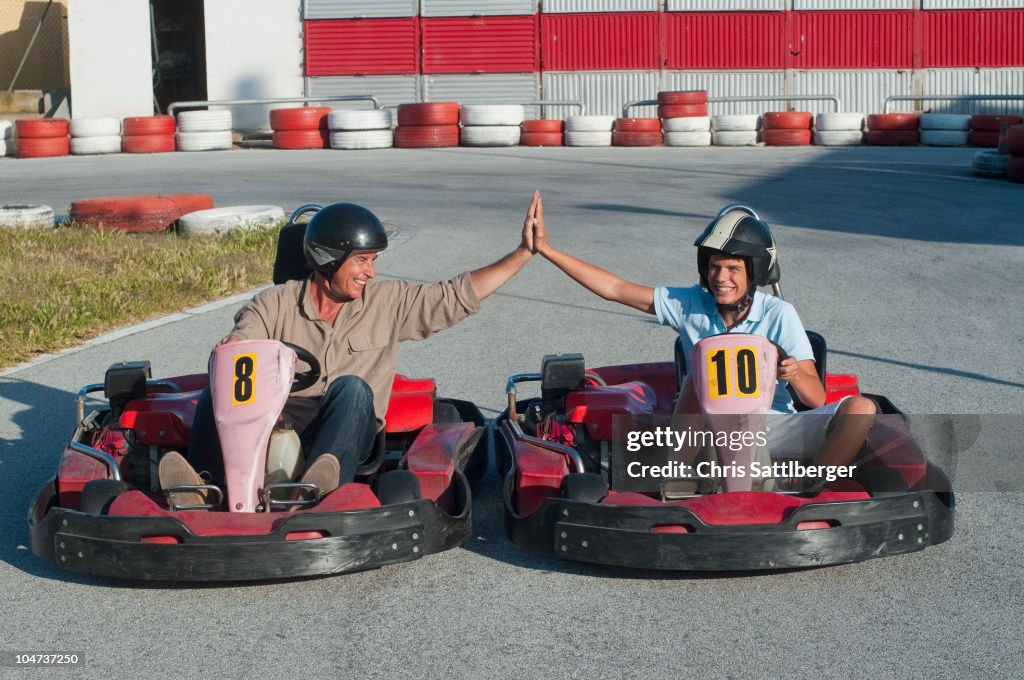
(341, 423)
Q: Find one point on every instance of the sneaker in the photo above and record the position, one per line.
(325, 472)
(175, 471)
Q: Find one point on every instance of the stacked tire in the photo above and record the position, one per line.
(42, 137)
(542, 132)
(304, 127)
(684, 118)
(637, 132)
(985, 130)
(491, 124)
(360, 129)
(6, 138)
(1015, 147)
(204, 131)
(95, 136)
(589, 130)
(735, 130)
(893, 129)
(944, 129)
(786, 128)
(147, 134)
(839, 129)
(427, 125)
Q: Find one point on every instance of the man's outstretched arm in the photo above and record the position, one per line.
(488, 279)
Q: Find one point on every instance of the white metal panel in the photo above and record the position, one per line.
(729, 84)
(253, 51)
(852, 4)
(971, 81)
(353, 9)
(586, 6)
(390, 90)
(725, 5)
(110, 77)
(971, 4)
(858, 91)
(483, 87)
(468, 8)
(603, 92)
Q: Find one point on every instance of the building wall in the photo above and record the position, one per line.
(46, 67)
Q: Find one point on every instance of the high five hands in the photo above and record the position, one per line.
(534, 234)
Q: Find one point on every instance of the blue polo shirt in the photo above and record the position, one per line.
(693, 314)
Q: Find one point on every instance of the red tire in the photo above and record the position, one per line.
(682, 110)
(984, 138)
(683, 97)
(143, 213)
(626, 138)
(301, 139)
(893, 121)
(1014, 140)
(147, 143)
(541, 139)
(1015, 169)
(148, 125)
(543, 125)
(892, 137)
(786, 137)
(43, 147)
(638, 124)
(41, 128)
(302, 118)
(787, 120)
(993, 123)
(426, 136)
(429, 113)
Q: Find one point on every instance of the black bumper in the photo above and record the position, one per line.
(355, 540)
(621, 535)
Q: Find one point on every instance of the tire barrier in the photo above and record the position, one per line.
(688, 137)
(426, 136)
(6, 138)
(589, 130)
(217, 140)
(901, 122)
(1015, 140)
(148, 125)
(95, 136)
(303, 127)
(684, 118)
(892, 137)
(1015, 169)
(85, 146)
(204, 121)
(428, 113)
(685, 97)
(786, 128)
(984, 138)
(735, 130)
(985, 123)
(234, 218)
(637, 132)
(142, 213)
(148, 143)
(686, 124)
(989, 164)
(491, 124)
(26, 216)
(836, 122)
(944, 137)
(490, 135)
(838, 137)
(356, 120)
(361, 139)
(786, 137)
(42, 137)
(542, 132)
(944, 129)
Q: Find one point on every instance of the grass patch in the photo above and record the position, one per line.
(61, 286)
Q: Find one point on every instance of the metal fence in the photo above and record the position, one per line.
(34, 45)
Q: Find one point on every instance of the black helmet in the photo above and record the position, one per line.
(337, 230)
(738, 231)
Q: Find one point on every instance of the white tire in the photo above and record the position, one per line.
(989, 164)
(82, 146)
(203, 141)
(834, 122)
(590, 124)
(362, 139)
(221, 220)
(944, 137)
(587, 138)
(95, 127)
(944, 121)
(736, 123)
(374, 119)
(490, 135)
(6, 147)
(6, 129)
(204, 121)
(26, 216)
(734, 138)
(492, 114)
(695, 138)
(687, 124)
(838, 137)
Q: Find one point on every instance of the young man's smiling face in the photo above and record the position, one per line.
(354, 273)
(728, 280)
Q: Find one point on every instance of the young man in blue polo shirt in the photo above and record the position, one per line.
(735, 255)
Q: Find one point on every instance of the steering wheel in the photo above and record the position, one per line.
(307, 378)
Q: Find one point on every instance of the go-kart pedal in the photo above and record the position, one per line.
(185, 488)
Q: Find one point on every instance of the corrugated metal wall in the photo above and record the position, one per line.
(603, 93)
(833, 5)
(351, 9)
(512, 87)
(585, 6)
(361, 46)
(480, 44)
(862, 91)
(729, 84)
(390, 90)
(974, 81)
(725, 5)
(858, 39)
(576, 42)
(971, 4)
(725, 41)
(467, 8)
(973, 38)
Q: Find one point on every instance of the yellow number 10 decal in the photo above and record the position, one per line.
(244, 389)
(732, 372)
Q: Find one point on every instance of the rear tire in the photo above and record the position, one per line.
(587, 487)
(98, 494)
(398, 486)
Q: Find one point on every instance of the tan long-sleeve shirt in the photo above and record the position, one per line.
(363, 340)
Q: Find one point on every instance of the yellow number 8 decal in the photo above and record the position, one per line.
(741, 381)
(244, 390)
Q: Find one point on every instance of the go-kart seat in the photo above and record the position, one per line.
(290, 264)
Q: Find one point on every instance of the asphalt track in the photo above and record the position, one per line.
(911, 267)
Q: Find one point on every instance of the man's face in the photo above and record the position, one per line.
(727, 279)
(350, 279)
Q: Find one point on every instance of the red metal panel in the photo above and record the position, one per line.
(972, 38)
(725, 40)
(348, 47)
(479, 44)
(593, 42)
(852, 39)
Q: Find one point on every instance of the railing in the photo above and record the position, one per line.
(284, 100)
(950, 97)
(775, 98)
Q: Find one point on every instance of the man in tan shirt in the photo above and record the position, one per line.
(353, 325)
